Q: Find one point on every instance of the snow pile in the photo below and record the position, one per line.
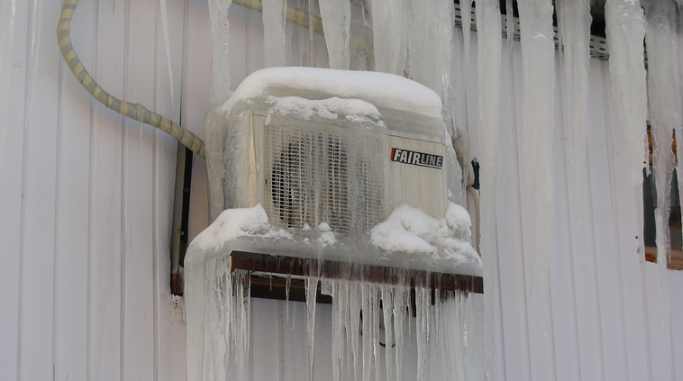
(380, 89)
(234, 223)
(354, 110)
(412, 231)
(327, 236)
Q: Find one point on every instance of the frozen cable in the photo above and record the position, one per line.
(132, 110)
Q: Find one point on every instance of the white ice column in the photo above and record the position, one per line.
(625, 29)
(536, 164)
(220, 72)
(389, 46)
(490, 42)
(336, 15)
(274, 33)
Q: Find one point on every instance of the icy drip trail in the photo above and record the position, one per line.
(167, 44)
(537, 189)
(665, 116)
(220, 72)
(389, 46)
(274, 33)
(7, 16)
(490, 56)
(336, 15)
(625, 30)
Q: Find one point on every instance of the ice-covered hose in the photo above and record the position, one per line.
(131, 110)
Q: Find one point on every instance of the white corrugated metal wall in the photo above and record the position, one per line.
(87, 198)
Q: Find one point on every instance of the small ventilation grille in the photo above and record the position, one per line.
(320, 176)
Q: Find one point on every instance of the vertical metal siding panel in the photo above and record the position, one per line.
(11, 175)
(107, 308)
(138, 173)
(660, 353)
(561, 281)
(39, 193)
(676, 285)
(606, 243)
(169, 360)
(628, 218)
(266, 339)
(513, 303)
(71, 325)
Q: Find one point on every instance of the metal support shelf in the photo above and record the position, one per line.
(268, 272)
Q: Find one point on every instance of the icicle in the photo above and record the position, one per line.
(401, 308)
(167, 45)
(220, 73)
(465, 15)
(422, 301)
(311, 288)
(389, 342)
(7, 16)
(510, 24)
(336, 15)
(489, 58)
(536, 167)
(274, 34)
(387, 38)
(664, 93)
(430, 43)
(625, 30)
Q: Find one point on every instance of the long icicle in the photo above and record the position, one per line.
(490, 46)
(625, 30)
(536, 167)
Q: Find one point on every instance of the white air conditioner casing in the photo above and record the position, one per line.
(306, 166)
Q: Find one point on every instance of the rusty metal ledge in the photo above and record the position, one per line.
(284, 265)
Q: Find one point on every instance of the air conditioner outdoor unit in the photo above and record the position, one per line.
(324, 173)
(329, 155)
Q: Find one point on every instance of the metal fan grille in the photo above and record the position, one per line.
(316, 176)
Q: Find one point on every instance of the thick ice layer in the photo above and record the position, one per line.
(625, 30)
(379, 89)
(220, 72)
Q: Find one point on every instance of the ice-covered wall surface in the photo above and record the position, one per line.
(86, 205)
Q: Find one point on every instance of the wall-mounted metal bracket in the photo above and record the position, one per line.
(181, 213)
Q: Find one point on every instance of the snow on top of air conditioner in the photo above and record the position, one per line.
(355, 110)
(379, 89)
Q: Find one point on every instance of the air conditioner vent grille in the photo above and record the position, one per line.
(316, 176)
